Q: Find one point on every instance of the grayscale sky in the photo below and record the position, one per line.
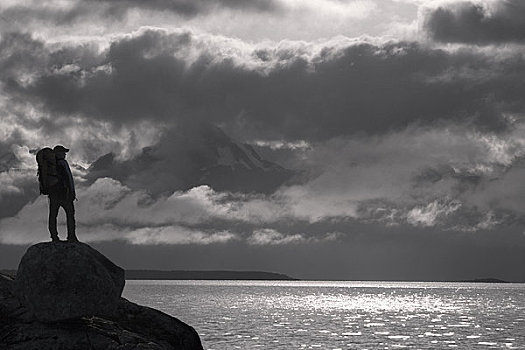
(324, 139)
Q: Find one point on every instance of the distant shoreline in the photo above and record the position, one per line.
(226, 275)
(205, 275)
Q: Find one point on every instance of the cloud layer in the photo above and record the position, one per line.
(275, 92)
(469, 182)
(477, 22)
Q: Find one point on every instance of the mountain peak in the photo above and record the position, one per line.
(193, 155)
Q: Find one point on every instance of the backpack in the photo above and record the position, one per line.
(47, 169)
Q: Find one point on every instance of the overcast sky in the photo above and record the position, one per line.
(389, 134)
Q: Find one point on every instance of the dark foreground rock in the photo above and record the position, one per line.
(127, 327)
(59, 281)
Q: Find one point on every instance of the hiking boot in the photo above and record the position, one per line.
(55, 239)
(72, 239)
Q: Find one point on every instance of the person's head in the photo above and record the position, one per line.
(60, 151)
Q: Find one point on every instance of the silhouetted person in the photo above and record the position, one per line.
(62, 195)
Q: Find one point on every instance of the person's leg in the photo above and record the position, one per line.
(69, 207)
(54, 205)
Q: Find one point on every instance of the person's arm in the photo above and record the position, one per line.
(69, 178)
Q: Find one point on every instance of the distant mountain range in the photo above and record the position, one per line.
(239, 275)
(193, 155)
(195, 275)
(486, 280)
(204, 275)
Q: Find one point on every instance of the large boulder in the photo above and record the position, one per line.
(132, 327)
(62, 280)
(78, 290)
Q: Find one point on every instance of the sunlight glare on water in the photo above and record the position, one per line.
(342, 315)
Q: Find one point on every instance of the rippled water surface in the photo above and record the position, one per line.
(342, 315)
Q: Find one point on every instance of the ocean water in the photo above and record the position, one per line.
(342, 315)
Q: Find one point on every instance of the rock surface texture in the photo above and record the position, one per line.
(113, 323)
(62, 280)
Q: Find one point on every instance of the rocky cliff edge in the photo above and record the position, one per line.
(68, 296)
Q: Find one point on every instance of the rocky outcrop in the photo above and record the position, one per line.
(62, 280)
(114, 323)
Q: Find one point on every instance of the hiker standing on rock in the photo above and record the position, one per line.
(62, 194)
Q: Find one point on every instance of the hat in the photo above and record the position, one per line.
(60, 148)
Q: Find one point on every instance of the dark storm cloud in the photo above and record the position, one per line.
(477, 23)
(188, 7)
(24, 59)
(289, 91)
(58, 16)
(117, 9)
